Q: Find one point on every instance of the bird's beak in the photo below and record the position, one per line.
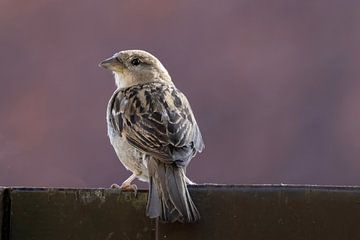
(112, 63)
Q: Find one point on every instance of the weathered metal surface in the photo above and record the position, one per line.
(3, 231)
(228, 212)
(78, 214)
(271, 212)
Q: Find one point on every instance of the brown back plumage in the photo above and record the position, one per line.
(157, 119)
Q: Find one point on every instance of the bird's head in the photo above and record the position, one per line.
(132, 67)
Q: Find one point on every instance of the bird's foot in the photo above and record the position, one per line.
(115, 186)
(125, 186)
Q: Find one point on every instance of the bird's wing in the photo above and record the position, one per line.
(157, 119)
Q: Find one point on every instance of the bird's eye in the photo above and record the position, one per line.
(135, 61)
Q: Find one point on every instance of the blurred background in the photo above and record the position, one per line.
(274, 85)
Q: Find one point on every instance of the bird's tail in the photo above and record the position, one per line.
(169, 198)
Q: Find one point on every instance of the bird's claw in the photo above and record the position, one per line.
(130, 187)
(124, 186)
(115, 186)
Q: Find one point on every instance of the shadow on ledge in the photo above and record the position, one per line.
(228, 212)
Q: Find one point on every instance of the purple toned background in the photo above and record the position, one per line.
(275, 86)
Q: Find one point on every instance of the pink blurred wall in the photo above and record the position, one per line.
(275, 86)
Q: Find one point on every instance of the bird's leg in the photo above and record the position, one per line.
(188, 181)
(127, 184)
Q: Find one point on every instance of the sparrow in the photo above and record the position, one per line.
(154, 133)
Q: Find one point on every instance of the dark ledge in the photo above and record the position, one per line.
(228, 212)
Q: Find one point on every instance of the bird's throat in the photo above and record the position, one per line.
(120, 81)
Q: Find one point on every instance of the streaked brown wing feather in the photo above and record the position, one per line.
(157, 119)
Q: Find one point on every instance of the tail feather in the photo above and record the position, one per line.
(154, 201)
(169, 197)
(176, 189)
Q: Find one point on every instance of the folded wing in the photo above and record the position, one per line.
(157, 119)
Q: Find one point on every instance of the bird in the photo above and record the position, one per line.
(153, 131)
